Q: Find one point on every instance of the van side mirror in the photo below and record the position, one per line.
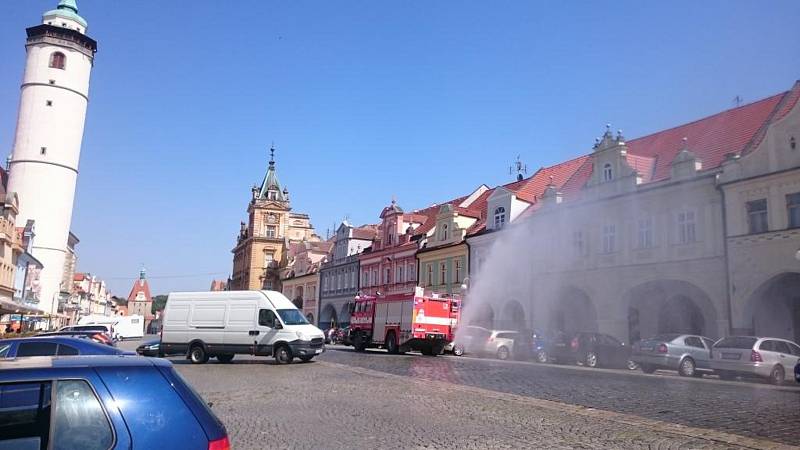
(278, 325)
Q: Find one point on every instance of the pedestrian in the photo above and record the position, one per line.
(9, 328)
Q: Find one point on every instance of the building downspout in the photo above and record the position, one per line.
(727, 260)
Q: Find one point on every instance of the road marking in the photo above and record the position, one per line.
(627, 419)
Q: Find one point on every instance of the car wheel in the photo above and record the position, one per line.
(591, 359)
(283, 355)
(686, 367)
(777, 376)
(541, 356)
(197, 354)
(391, 343)
(503, 353)
(647, 368)
(225, 359)
(632, 365)
(458, 350)
(306, 359)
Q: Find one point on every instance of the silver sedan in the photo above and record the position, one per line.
(689, 354)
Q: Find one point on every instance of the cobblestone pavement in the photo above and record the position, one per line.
(375, 400)
(743, 408)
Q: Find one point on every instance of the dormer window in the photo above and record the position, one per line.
(499, 217)
(272, 195)
(443, 232)
(58, 60)
(608, 173)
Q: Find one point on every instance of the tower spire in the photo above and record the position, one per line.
(272, 156)
(68, 4)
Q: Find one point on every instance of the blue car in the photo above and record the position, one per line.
(101, 403)
(54, 346)
(797, 372)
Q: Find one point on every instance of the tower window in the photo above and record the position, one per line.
(58, 60)
(49, 103)
(43, 150)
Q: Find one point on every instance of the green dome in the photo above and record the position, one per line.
(67, 9)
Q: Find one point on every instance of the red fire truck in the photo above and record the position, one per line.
(407, 322)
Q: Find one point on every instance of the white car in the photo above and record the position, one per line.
(770, 358)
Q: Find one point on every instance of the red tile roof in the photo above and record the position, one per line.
(366, 232)
(736, 130)
(140, 285)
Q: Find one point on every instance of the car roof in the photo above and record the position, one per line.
(47, 362)
(63, 339)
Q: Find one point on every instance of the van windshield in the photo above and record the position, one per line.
(292, 317)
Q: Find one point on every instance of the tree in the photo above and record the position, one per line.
(159, 303)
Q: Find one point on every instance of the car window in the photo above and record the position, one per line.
(4, 348)
(693, 341)
(24, 415)
(794, 348)
(37, 349)
(782, 347)
(767, 346)
(64, 350)
(709, 343)
(292, 317)
(740, 342)
(79, 419)
(266, 318)
(506, 335)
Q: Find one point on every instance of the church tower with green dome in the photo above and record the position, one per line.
(43, 165)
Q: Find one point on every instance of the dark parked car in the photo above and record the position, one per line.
(797, 372)
(97, 336)
(151, 347)
(102, 402)
(589, 349)
(54, 346)
(689, 354)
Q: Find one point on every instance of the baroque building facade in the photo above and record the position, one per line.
(260, 254)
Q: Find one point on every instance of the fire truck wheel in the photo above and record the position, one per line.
(391, 343)
(358, 343)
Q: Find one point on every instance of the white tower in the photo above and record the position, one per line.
(47, 145)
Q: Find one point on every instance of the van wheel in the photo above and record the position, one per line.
(391, 343)
(283, 355)
(197, 354)
(225, 359)
(777, 376)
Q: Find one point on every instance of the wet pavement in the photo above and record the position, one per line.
(745, 408)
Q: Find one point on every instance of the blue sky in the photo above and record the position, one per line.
(365, 100)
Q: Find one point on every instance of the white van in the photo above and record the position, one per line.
(122, 327)
(223, 324)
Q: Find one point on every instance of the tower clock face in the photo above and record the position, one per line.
(271, 218)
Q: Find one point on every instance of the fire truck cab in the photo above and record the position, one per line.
(401, 323)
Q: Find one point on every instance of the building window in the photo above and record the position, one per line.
(352, 279)
(268, 258)
(686, 227)
(430, 275)
(365, 279)
(339, 281)
(458, 271)
(499, 217)
(646, 233)
(443, 273)
(608, 173)
(325, 283)
(58, 60)
(375, 277)
(793, 209)
(399, 273)
(443, 232)
(609, 238)
(272, 195)
(411, 273)
(387, 273)
(757, 216)
(271, 231)
(578, 243)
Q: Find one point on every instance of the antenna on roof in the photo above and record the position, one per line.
(737, 100)
(519, 167)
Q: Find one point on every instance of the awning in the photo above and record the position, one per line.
(11, 307)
